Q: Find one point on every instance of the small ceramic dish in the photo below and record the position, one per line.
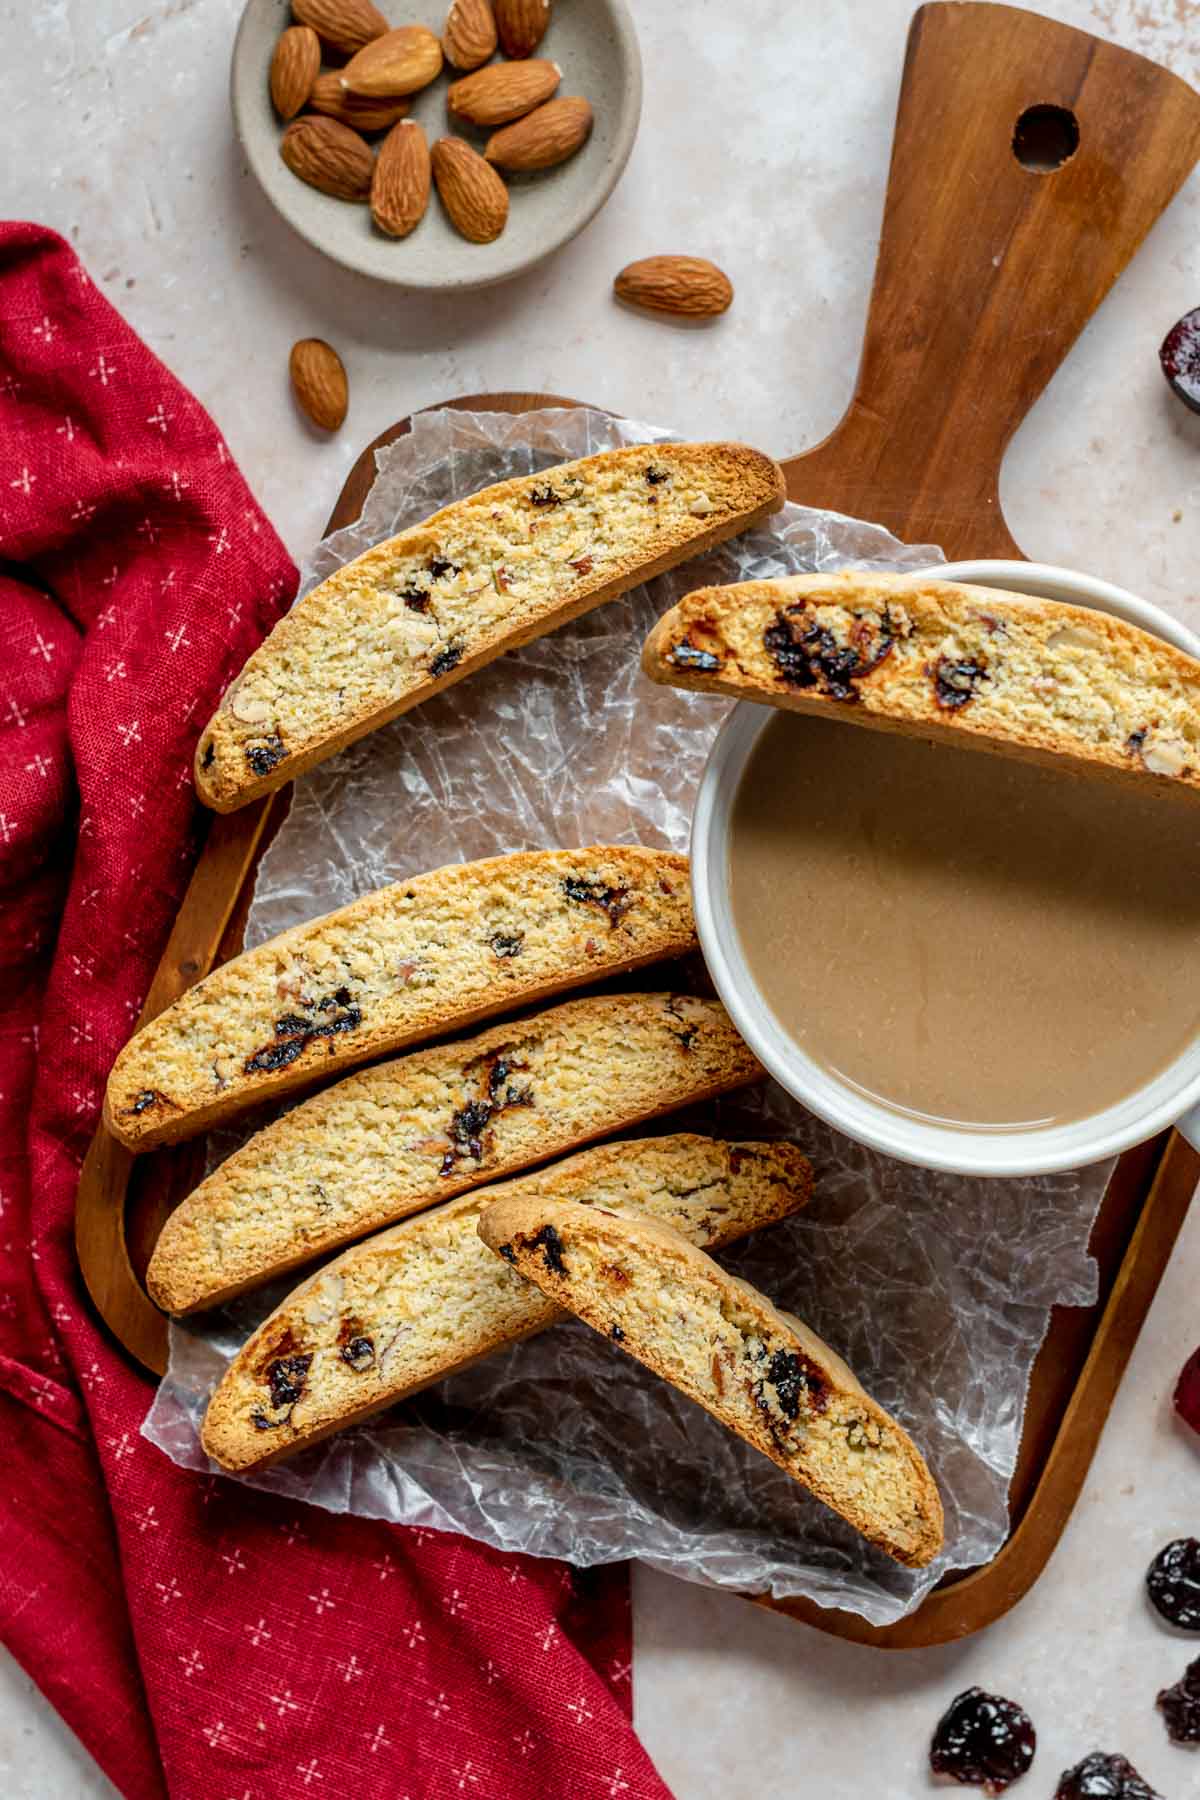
(1171, 1098)
(593, 42)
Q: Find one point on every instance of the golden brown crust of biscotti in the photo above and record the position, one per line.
(416, 960)
(1037, 679)
(404, 1135)
(758, 1370)
(416, 614)
(417, 1302)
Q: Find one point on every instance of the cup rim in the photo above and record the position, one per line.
(950, 1149)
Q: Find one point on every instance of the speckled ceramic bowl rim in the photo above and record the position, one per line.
(1172, 1098)
(503, 262)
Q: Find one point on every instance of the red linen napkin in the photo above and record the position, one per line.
(203, 1640)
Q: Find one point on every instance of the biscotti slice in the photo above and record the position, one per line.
(416, 613)
(759, 1371)
(975, 666)
(416, 960)
(412, 1305)
(403, 1135)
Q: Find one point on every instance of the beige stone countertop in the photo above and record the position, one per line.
(764, 144)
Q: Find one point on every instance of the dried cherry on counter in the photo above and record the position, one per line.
(1180, 1706)
(1173, 1583)
(983, 1740)
(1179, 355)
(1187, 1390)
(1101, 1776)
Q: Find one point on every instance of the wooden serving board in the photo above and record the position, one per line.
(988, 269)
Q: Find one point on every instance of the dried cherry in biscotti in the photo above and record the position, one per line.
(1173, 1583)
(1180, 1706)
(983, 1740)
(1103, 1776)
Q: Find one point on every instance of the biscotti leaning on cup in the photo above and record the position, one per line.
(414, 614)
(415, 960)
(1037, 679)
(406, 1134)
(412, 1305)
(756, 1369)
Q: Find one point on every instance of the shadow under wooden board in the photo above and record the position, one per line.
(1029, 162)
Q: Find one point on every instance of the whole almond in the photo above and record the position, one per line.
(330, 97)
(294, 68)
(503, 91)
(329, 156)
(319, 382)
(472, 193)
(344, 25)
(521, 24)
(469, 34)
(400, 188)
(687, 286)
(542, 138)
(400, 62)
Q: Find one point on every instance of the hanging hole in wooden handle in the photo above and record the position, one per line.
(1045, 137)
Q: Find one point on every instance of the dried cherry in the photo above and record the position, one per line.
(1103, 1776)
(264, 755)
(1173, 1583)
(983, 1740)
(955, 683)
(1180, 1706)
(1179, 355)
(1187, 1391)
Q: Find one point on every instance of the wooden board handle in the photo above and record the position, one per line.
(989, 268)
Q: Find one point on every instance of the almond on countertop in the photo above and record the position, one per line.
(400, 187)
(329, 156)
(470, 190)
(344, 25)
(469, 34)
(502, 92)
(356, 110)
(687, 286)
(401, 62)
(522, 25)
(542, 138)
(294, 68)
(319, 382)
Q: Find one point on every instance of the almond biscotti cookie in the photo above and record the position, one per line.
(418, 959)
(404, 1135)
(412, 1305)
(971, 665)
(759, 1371)
(414, 614)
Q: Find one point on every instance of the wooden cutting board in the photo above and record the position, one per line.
(1029, 162)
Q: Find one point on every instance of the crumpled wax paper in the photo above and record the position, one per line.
(936, 1289)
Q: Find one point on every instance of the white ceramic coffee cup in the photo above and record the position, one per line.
(1172, 1098)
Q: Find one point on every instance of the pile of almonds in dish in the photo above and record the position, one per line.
(380, 68)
